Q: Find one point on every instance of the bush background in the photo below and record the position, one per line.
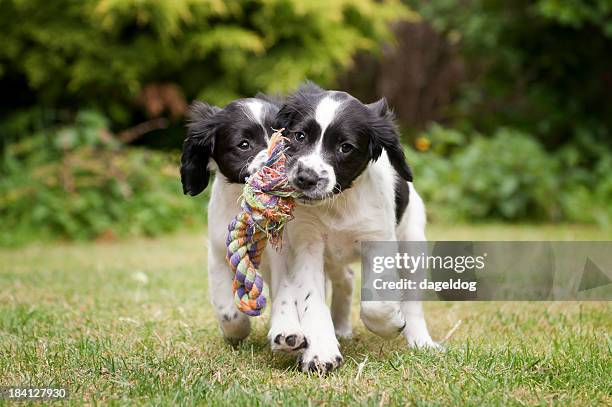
(506, 109)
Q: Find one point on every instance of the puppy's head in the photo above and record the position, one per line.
(234, 137)
(333, 137)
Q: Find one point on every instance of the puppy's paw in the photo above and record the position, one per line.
(384, 318)
(344, 332)
(235, 326)
(292, 342)
(417, 336)
(427, 344)
(320, 358)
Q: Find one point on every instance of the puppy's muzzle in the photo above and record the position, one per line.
(311, 177)
(306, 179)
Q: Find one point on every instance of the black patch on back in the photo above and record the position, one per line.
(402, 197)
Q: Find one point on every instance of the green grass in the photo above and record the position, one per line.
(129, 322)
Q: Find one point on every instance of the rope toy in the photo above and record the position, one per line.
(267, 205)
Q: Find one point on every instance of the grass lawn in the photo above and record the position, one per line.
(129, 322)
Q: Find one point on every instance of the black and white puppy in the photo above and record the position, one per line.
(231, 141)
(346, 159)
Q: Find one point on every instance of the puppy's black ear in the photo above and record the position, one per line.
(198, 147)
(384, 135)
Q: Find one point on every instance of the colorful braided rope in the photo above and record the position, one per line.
(267, 205)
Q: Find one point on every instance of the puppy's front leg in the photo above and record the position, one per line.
(235, 325)
(416, 331)
(285, 331)
(384, 318)
(322, 354)
(341, 277)
(413, 229)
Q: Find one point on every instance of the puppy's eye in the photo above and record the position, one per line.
(244, 145)
(345, 148)
(299, 136)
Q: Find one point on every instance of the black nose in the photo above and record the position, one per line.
(305, 178)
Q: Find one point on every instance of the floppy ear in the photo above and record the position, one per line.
(198, 147)
(384, 135)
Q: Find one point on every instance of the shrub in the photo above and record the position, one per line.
(126, 58)
(540, 66)
(79, 182)
(508, 176)
(587, 195)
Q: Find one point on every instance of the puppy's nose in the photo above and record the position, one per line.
(306, 178)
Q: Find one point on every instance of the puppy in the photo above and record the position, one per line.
(348, 163)
(232, 142)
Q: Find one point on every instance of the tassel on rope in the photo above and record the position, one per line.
(267, 205)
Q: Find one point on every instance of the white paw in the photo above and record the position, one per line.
(235, 326)
(424, 342)
(321, 356)
(344, 332)
(384, 318)
(290, 341)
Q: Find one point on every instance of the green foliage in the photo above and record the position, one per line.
(578, 13)
(64, 173)
(509, 176)
(539, 66)
(78, 182)
(100, 54)
(587, 195)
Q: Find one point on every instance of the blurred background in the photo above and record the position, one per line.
(505, 107)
